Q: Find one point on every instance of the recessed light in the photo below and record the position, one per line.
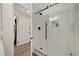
(14, 17)
(28, 11)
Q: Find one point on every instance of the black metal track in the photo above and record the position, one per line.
(40, 52)
(46, 8)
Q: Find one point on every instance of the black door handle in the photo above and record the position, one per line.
(46, 30)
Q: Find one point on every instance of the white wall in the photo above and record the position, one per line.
(61, 39)
(23, 28)
(8, 28)
(0, 19)
(1, 41)
(76, 26)
(0, 16)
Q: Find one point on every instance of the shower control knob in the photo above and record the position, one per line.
(71, 54)
(31, 37)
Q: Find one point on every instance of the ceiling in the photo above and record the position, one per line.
(25, 5)
(22, 8)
